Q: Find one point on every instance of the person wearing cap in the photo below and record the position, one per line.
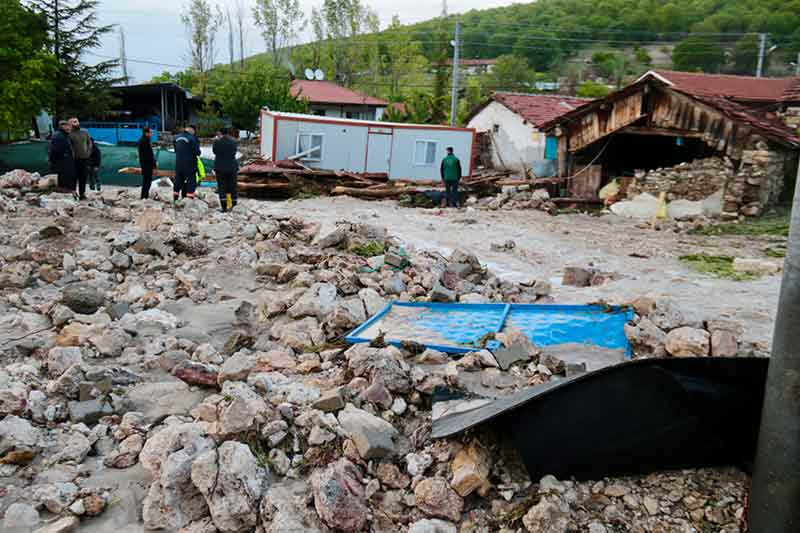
(187, 150)
(226, 167)
(451, 175)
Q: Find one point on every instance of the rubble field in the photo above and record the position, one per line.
(180, 369)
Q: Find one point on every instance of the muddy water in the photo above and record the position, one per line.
(545, 245)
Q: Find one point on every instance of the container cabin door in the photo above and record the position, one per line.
(379, 150)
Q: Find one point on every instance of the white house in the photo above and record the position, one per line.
(411, 151)
(328, 99)
(511, 122)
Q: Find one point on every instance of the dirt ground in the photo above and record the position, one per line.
(546, 244)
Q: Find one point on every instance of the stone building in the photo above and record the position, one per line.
(688, 135)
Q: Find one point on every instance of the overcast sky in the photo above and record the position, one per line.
(154, 32)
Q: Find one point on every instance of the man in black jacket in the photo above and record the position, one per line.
(147, 161)
(187, 150)
(226, 167)
(95, 160)
(59, 155)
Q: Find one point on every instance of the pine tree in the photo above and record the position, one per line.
(82, 89)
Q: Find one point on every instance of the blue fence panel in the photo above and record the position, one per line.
(117, 132)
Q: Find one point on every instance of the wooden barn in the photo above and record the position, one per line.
(654, 124)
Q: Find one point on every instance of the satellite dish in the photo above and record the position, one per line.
(319, 75)
(309, 74)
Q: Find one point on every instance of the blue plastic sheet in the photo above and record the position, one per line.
(458, 328)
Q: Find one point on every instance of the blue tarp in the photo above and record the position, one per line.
(457, 328)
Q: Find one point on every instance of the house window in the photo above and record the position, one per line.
(307, 141)
(425, 153)
(496, 128)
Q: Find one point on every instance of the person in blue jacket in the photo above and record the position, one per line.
(187, 150)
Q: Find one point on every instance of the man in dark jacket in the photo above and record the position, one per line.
(81, 151)
(226, 167)
(451, 175)
(95, 160)
(187, 150)
(59, 155)
(147, 161)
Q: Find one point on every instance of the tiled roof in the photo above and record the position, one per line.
(738, 112)
(325, 92)
(740, 88)
(474, 62)
(539, 108)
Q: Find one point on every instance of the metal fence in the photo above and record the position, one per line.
(117, 132)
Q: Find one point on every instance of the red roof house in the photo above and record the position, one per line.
(742, 89)
(331, 100)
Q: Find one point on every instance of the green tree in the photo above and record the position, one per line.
(27, 83)
(510, 73)
(592, 89)
(280, 22)
(81, 89)
(343, 21)
(698, 54)
(243, 94)
(202, 20)
(744, 57)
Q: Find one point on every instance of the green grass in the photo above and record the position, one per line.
(370, 249)
(778, 252)
(773, 224)
(719, 266)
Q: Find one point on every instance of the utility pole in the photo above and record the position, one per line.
(762, 49)
(775, 489)
(456, 60)
(123, 58)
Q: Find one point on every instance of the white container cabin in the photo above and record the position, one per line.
(403, 151)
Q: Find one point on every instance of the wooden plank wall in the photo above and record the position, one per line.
(599, 123)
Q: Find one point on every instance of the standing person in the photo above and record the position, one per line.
(451, 175)
(59, 154)
(95, 160)
(81, 150)
(187, 150)
(147, 161)
(226, 167)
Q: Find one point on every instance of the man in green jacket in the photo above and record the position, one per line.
(451, 174)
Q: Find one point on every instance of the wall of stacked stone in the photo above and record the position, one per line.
(748, 190)
(791, 117)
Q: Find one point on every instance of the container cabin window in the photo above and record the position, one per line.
(425, 153)
(307, 141)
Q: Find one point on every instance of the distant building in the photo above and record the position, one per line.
(411, 151)
(474, 66)
(510, 123)
(328, 99)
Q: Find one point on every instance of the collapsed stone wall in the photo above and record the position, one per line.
(757, 183)
(791, 117)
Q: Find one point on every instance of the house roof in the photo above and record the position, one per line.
(361, 123)
(325, 92)
(740, 88)
(537, 109)
(473, 62)
(735, 111)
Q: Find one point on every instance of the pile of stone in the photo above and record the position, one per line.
(694, 181)
(662, 329)
(516, 197)
(180, 369)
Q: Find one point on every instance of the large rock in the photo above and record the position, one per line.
(318, 301)
(82, 298)
(339, 496)
(688, 342)
(232, 483)
(577, 276)
(373, 436)
(347, 314)
(373, 302)
(20, 518)
(300, 334)
(243, 409)
(757, 267)
(111, 342)
(379, 364)
(149, 322)
(432, 525)
(471, 467)
(60, 359)
(195, 373)
(646, 337)
(173, 501)
(436, 498)
(724, 343)
(237, 367)
(17, 436)
(56, 496)
(219, 231)
(550, 515)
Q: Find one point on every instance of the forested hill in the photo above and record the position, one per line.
(545, 30)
